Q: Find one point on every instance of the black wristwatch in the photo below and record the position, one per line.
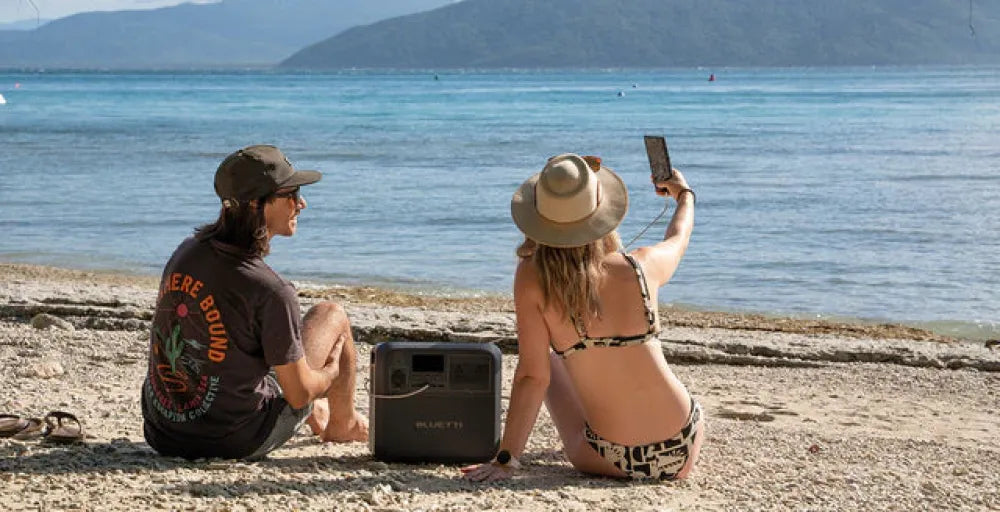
(503, 457)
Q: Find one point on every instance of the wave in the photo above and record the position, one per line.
(945, 178)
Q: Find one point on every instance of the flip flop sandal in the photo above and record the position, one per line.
(64, 433)
(33, 430)
(11, 424)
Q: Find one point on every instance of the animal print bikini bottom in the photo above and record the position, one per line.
(661, 460)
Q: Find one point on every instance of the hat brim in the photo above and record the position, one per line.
(611, 209)
(301, 178)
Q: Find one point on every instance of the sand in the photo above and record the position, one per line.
(802, 415)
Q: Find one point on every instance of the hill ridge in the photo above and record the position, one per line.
(665, 33)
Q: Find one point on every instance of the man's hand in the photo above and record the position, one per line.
(331, 367)
(301, 384)
(489, 472)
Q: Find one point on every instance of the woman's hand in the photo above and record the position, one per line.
(673, 186)
(488, 472)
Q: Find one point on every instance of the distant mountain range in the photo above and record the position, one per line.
(440, 34)
(665, 33)
(230, 33)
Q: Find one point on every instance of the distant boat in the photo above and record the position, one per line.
(2, 100)
(621, 94)
(711, 77)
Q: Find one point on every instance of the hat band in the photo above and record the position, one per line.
(569, 220)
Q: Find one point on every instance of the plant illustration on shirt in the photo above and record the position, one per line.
(176, 379)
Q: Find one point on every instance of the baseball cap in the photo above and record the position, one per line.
(257, 171)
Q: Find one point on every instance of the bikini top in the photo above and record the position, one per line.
(617, 341)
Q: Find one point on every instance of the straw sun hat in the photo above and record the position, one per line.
(568, 204)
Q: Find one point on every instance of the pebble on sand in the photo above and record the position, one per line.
(44, 370)
(47, 321)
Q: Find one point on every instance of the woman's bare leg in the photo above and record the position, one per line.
(699, 437)
(326, 336)
(567, 413)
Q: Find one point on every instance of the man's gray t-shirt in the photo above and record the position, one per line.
(222, 320)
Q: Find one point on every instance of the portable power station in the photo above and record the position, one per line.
(434, 402)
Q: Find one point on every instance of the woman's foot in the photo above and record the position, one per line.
(354, 429)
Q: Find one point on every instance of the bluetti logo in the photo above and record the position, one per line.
(438, 425)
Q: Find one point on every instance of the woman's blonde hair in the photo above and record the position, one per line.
(570, 277)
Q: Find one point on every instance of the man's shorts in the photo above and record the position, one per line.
(288, 423)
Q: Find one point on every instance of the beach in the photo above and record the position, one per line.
(802, 414)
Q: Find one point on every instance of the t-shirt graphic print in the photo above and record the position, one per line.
(188, 335)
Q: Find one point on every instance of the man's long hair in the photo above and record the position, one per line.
(570, 277)
(242, 225)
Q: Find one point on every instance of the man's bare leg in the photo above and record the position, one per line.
(326, 336)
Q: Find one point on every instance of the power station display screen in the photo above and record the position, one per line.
(427, 363)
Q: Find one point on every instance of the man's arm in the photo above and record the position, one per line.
(301, 384)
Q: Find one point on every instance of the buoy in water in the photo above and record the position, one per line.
(17, 85)
(2, 100)
(711, 77)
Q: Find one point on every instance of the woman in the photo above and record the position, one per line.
(587, 326)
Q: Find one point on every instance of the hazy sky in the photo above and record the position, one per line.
(13, 10)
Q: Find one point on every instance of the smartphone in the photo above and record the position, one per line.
(659, 159)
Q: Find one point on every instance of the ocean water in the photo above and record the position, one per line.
(866, 193)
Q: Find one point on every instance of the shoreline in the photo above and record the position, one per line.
(109, 301)
(671, 316)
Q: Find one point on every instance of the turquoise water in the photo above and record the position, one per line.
(864, 193)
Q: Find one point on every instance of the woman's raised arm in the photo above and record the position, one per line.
(662, 259)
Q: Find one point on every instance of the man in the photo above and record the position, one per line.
(225, 320)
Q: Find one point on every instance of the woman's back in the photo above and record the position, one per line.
(629, 394)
